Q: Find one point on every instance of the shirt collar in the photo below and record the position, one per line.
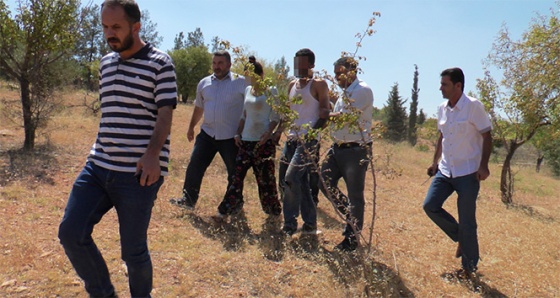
(229, 75)
(352, 86)
(460, 103)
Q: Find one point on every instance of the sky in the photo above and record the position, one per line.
(432, 34)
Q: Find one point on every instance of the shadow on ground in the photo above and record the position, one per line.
(34, 166)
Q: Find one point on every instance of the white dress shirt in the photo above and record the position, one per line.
(462, 127)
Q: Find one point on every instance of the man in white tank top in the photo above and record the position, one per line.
(296, 163)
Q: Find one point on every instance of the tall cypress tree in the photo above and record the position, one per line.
(412, 136)
(395, 120)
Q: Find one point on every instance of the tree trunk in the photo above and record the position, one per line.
(28, 123)
(506, 178)
(539, 162)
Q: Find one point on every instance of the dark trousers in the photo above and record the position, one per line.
(261, 159)
(204, 151)
(464, 230)
(95, 192)
(350, 164)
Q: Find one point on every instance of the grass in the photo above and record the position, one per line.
(193, 257)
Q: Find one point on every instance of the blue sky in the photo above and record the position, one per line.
(433, 34)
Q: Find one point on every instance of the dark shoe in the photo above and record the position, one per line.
(348, 244)
(288, 231)
(309, 230)
(183, 203)
(463, 274)
(458, 252)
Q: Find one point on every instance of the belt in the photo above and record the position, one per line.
(350, 145)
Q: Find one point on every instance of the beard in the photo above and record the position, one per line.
(124, 45)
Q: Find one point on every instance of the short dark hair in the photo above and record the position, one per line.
(307, 53)
(130, 7)
(348, 62)
(257, 66)
(456, 75)
(223, 53)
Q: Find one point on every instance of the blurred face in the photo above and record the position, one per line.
(302, 68)
(116, 28)
(343, 76)
(220, 66)
(449, 90)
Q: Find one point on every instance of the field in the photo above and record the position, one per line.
(193, 257)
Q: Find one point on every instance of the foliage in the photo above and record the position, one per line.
(396, 117)
(191, 65)
(527, 97)
(413, 119)
(40, 35)
(421, 117)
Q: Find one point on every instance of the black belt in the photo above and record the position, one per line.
(350, 145)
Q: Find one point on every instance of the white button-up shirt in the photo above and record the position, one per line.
(359, 98)
(462, 127)
(222, 102)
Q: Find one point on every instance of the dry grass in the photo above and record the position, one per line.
(247, 258)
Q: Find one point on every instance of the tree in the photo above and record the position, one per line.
(412, 119)
(421, 117)
(40, 35)
(195, 39)
(149, 32)
(191, 65)
(395, 120)
(179, 41)
(218, 44)
(89, 45)
(527, 98)
(282, 70)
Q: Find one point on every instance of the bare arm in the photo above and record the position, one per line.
(196, 116)
(322, 95)
(237, 137)
(432, 170)
(149, 162)
(483, 170)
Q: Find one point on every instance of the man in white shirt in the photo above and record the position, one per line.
(349, 156)
(464, 147)
(219, 98)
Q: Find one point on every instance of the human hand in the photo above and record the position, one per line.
(483, 173)
(237, 139)
(147, 170)
(432, 170)
(190, 135)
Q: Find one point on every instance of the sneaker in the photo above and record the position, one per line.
(288, 231)
(348, 244)
(309, 230)
(182, 202)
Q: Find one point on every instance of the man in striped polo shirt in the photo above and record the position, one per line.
(126, 165)
(219, 100)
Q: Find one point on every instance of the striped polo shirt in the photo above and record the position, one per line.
(131, 91)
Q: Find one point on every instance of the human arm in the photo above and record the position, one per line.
(237, 137)
(483, 170)
(321, 93)
(432, 170)
(196, 116)
(148, 164)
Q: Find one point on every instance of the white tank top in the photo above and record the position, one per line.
(308, 110)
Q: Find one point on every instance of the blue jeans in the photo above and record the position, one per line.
(294, 171)
(350, 164)
(205, 148)
(463, 231)
(94, 193)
